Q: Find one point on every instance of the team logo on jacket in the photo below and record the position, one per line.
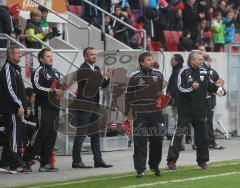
(48, 76)
(190, 79)
(155, 78)
(201, 78)
(141, 82)
(56, 74)
(211, 72)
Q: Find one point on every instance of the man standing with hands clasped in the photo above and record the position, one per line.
(89, 79)
(193, 85)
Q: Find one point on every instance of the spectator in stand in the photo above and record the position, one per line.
(91, 14)
(106, 5)
(5, 28)
(15, 12)
(135, 4)
(185, 42)
(124, 4)
(205, 6)
(108, 26)
(229, 26)
(75, 6)
(204, 34)
(191, 18)
(5, 24)
(222, 8)
(179, 16)
(120, 31)
(137, 38)
(218, 32)
(34, 28)
(43, 21)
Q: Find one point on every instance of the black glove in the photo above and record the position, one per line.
(56, 32)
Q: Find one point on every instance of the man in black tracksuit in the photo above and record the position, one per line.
(193, 84)
(143, 90)
(176, 63)
(47, 110)
(12, 104)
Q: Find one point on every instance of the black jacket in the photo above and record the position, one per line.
(42, 80)
(214, 77)
(89, 82)
(36, 26)
(142, 91)
(172, 88)
(190, 21)
(185, 44)
(5, 25)
(12, 88)
(193, 103)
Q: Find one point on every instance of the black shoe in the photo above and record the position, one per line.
(21, 170)
(140, 175)
(194, 147)
(156, 171)
(102, 165)
(203, 166)
(182, 148)
(216, 146)
(80, 165)
(27, 168)
(47, 168)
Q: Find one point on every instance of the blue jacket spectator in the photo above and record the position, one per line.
(229, 27)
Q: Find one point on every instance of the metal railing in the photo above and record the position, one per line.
(45, 44)
(119, 20)
(5, 36)
(24, 49)
(68, 21)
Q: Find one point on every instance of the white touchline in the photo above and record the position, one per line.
(181, 180)
(118, 177)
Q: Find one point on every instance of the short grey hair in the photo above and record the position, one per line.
(193, 54)
(11, 49)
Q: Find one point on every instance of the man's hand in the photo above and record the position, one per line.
(195, 85)
(20, 111)
(221, 92)
(59, 92)
(220, 82)
(109, 73)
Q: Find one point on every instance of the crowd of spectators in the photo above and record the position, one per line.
(212, 22)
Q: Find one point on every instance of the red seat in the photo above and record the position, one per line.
(235, 49)
(179, 33)
(238, 37)
(172, 40)
(154, 46)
